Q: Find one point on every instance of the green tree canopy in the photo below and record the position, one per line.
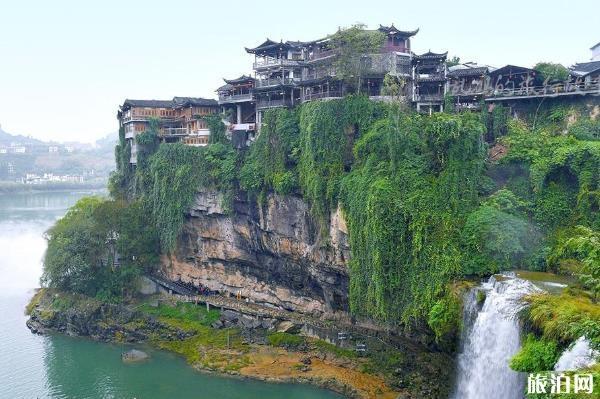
(354, 47)
(551, 71)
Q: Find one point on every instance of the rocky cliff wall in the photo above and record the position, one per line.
(272, 253)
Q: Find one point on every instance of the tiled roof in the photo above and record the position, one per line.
(393, 30)
(176, 102)
(148, 103)
(241, 79)
(429, 54)
(585, 68)
(468, 72)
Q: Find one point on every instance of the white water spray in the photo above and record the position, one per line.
(490, 338)
(576, 357)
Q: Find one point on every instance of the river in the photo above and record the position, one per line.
(57, 366)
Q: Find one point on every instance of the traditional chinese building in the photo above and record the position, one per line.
(238, 106)
(429, 81)
(466, 84)
(293, 72)
(179, 119)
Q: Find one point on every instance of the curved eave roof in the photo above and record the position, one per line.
(392, 30)
(431, 55)
(268, 45)
(241, 79)
(585, 68)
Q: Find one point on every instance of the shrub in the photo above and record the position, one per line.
(535, 355)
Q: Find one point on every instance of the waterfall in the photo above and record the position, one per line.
(578, 356)
(490, 338)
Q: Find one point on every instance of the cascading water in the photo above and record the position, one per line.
(490, 338)
(579, 355)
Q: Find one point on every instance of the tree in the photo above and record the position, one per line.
(75, 249)
(353, 47)
(453, 61)
(217, 129)
(583, 246)
(551, 71)
(393, 86)
(99, 247)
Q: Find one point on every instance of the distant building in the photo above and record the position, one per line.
(53, 149)
(179, 119)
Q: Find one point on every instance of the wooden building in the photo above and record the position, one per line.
(293, 72)
(238, 106)
(179, 119)
(429, 81)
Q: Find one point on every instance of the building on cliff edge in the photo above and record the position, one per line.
(289, 73)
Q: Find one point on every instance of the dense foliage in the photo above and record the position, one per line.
(551, 71)
(565, 318)
(414, 180)
(535, 355)
(423, 204)
(99, 247)
(351, 44)
(173, 176)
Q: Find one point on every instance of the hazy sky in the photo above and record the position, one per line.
(65, 66)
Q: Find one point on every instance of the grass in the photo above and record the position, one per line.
(336, 350)
(209, 348)
(285, 340)
(35, 300)
(187, 316)
(566, 317)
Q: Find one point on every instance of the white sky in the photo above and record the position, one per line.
(65, 66)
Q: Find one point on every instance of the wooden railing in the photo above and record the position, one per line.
(266, 103)
(275, 82)
(235, 97)
(268, 62)
(324, 94)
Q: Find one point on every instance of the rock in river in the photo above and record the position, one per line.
(134, 355)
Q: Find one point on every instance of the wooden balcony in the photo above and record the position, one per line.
(428, 97)
(552, 90)
(322, 95)
(272, 82)
(273, 62)
(264, 103)
(321, 55)
(235, 98)
(173, 131)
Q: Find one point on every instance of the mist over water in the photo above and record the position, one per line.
(57, 366)
(490, 338)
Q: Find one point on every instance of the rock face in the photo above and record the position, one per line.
(270, 253)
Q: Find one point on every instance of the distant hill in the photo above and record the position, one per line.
(21, 155)
(6, 139)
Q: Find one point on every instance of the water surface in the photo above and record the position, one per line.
(57, 366)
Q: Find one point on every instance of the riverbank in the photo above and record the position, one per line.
(223, 342)
(21, 188)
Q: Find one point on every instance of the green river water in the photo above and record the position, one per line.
(58, 366)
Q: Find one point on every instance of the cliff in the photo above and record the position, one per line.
(271, 252)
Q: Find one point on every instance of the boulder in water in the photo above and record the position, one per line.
(134, 355)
